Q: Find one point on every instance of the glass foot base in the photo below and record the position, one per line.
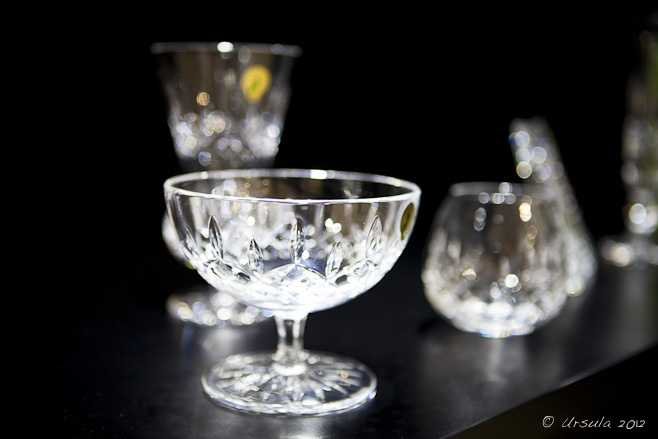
(205, 306)
(319, 384)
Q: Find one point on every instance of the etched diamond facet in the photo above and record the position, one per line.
(255, 257)
(216, 246)
(297, 241)
(334, 260)
(374, 240)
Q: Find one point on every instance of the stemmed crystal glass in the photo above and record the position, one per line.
(637, 246)
(227, 104)
(293, 242)
(495, 261)
(538, 161)
(226, 101)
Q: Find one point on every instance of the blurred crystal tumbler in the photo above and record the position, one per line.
(227, 102)
(293, 242)
(495, 261)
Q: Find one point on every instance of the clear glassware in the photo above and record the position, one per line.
(637, 246)
(538, 161)
(227, 104)
(495, 261)
(202, 304)
(293, 242)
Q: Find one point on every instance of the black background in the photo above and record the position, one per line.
(420, 96)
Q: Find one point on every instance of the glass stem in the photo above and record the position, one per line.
(290, 348)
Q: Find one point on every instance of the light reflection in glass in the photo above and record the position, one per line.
(525, 212)
(505, 188)
(637, 213)
(524, 169)
(203, 98)
(225, 47)
(511, 280)
(204, 158)
(469, 274)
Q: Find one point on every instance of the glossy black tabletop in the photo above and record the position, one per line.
(431, 105)
(128, 369)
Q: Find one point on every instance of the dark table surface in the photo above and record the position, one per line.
(129, 370)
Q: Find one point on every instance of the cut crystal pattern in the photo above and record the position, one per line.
(251, 381)
(374, 240)
(255, 257)
(297, 241)
(273, 283)
(215, 239)
(334, 260)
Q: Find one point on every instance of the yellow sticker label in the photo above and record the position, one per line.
(255, 81)
(407, 220)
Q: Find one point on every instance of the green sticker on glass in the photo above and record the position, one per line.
(255, 81)
(407, 220)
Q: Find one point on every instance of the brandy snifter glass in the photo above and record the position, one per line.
(496, 259)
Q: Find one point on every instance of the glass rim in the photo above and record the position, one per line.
(312, 174)
(213, 46)
(475, 188)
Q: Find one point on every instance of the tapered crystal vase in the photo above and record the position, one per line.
(539, 161)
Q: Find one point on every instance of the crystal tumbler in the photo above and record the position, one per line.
(495, 261)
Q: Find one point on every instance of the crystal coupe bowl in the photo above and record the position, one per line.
(292, 242)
